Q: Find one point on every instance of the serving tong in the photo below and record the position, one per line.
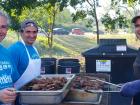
(101, 91)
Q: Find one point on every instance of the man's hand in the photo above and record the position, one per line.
(7, 95)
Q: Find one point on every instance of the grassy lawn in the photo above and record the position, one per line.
(131, 39)
(66, 45)
(10, 38)
(76, 43)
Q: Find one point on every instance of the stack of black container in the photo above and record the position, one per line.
(48, 65)
(68, 66)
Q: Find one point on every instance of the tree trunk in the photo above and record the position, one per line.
(94, 14)
(97, 24)
(50, 38)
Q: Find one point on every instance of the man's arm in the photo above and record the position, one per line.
(130, 89)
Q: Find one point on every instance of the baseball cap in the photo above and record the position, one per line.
(136, 17)
(27, 23)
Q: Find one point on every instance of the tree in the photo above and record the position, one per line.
(53, 8)
(129, 8)
(110, 23)
(45, 16)
(52, 11)
(14, 9)
(89, 10)
(63, 17)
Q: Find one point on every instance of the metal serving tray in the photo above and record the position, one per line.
(83, 97)
(46, 97)
(80, 96)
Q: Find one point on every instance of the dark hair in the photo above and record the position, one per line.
(135, 19)
(137, 16)
(27, 23)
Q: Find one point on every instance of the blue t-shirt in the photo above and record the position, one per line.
(20, 57)
(8, 72)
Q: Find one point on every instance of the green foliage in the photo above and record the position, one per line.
(63, 17)
(122, 21)
(132, 2)
(88, 11)
(129, 2)
(89, 23)
(37, 14)
(63, 3)
(47, 16)
(43, 15)
(128, 10)
(74, 3)
(81, 14)
(110, 23)
(14, 9)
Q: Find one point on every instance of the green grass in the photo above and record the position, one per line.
(10, 38)
(76, 43)
(132, 41)
(65, 46)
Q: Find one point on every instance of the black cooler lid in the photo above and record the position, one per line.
(111, 47)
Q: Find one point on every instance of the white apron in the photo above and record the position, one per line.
(32, 71)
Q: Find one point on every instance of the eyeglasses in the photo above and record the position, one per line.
(3, 26)
(137, 25)
(29, 32)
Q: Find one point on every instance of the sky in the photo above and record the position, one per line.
(104, 5)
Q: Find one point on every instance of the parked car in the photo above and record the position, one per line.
(41, 31)
(100, 32)
(60, 31)
(77, 31)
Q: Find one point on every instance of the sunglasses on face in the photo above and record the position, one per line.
(30, 24)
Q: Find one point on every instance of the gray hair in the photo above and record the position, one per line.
(3, 14)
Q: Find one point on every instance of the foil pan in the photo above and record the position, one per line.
(81, 96)
(46, 97)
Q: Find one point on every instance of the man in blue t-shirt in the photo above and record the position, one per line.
(25, 55)
(8, 72)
